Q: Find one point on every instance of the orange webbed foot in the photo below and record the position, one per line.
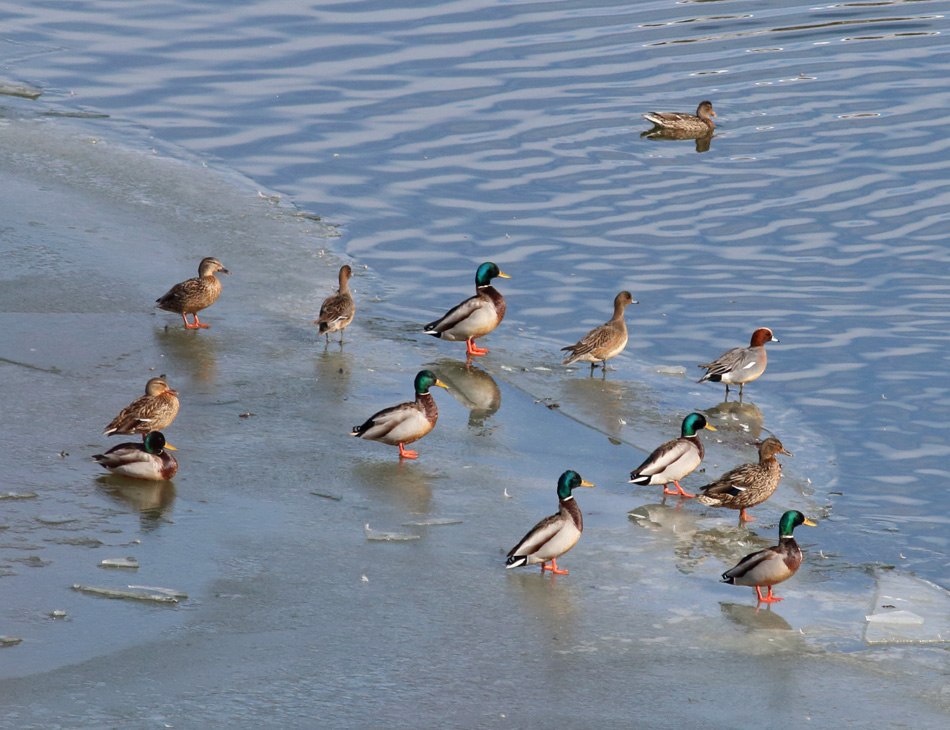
(679, 491)
(554, 569)
(404, 454)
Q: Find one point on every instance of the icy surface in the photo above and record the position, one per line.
(908, 610)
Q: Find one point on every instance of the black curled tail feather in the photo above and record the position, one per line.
(726, 578)
(638, 478)
(516, 561)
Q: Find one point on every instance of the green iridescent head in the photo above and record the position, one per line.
(155, 443)
(570, 480)
(486, 272)
(695, 422)
(790, 520)
(426, 379)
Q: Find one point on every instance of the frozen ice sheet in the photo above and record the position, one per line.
(908, 610)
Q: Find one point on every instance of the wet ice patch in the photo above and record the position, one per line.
(374, 536)
(908, 610)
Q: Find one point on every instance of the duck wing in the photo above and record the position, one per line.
(538, 536)
(457, 315)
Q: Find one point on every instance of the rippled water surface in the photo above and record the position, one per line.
(434, 136)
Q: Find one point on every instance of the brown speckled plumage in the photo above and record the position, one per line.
(694, 125)
(749, 484)
(193, 295)
(605, 341)
(153, 411)
(338, 309)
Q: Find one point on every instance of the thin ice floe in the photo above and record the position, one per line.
(150, 596)
(129, 563)
(388, 536)
(908, 610)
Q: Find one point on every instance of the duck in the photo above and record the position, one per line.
(193, 295)
(338, 309)
(774, 564)
(476, 316)
(674, 459)
(740, 365)
(749, 484)
(146, 460)
(153, 411)
(699, 124)
(605, 341)
(555, 535)
(407, 422)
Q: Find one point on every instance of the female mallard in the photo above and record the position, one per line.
(338, 309)
(147, 460)
(604, 342)
(749, 484)
(772, 565)
(153, 411)
(740, 365)
(675, 459)
(406, 422)
(193, 295)
(476, 316)
(699, 124)
(555, 535)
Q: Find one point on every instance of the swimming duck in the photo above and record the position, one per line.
(193, 295)
(153, 411)
(675, 459)
(749, 484)
(555, 535)
(476, 316)
(407, 422)
(740, 365)
(698, 124)
(338, 309)
(605, 341)
(772, 565)
(147, 460)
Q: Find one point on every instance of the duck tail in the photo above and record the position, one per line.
(726, 578)
(430, 329)
(639, 478)
(515, 561)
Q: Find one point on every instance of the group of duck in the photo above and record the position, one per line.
(405, 423)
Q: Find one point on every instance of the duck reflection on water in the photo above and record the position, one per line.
(471, 386)
(152, 500)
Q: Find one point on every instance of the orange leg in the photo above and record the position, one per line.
(198, 324)
(403, 454)
(679, 490)
(470, 348)
(769, 598)
(743, 517)
(554, 569)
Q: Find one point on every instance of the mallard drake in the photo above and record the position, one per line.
(153, 411)
(193, 295)
(605, 341)
(555, 535)
(407, 422)
(772, 565)
(338, 309)
(147, 460)
(476, 316)
(698, 124)
(675, 459)
(749, 484)
(740, 365)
